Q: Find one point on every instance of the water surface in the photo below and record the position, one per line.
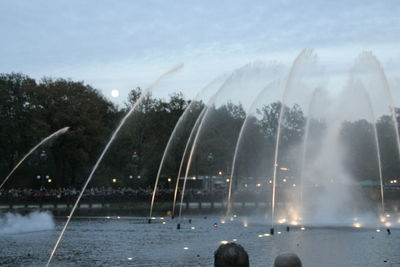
(130, 241)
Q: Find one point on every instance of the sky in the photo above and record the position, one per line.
(124, 44)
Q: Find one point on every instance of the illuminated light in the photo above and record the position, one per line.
(129, 259)
(266, 234)
(357, 225)
(270, 181)
(108, 217)
(284, 180)
(279, 233)
(284, 169)
(294, 223)
(387, 215)
(283, 220)
(294, 185)
(185, 248)
(234, 216)
(114, 180)
(378, 230)
(193, 228)
(169, 180)
(224, 242)
(227, 180)
(163, 222)
(114, 93)
(382, 219)
(49, 180)
(260, 235)
(161, 218)
(194, 178)
(231, 219)
(222, 221)
(258, 185)
(302, 228)
(220, 173)
(153, 218)
(245, 185)
(388, 224)
(234, 240)
(245, 224)
(118, 217)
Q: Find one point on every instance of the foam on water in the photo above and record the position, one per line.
(14, 223)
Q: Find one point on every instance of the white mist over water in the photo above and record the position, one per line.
(14, 223)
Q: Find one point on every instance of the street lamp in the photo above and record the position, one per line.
(135, 158)
(43, 156)
(210, 161)
(210, 158)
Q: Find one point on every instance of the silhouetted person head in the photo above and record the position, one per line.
(231, 255)
(287, 260)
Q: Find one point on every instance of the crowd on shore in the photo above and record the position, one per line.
(103, 194)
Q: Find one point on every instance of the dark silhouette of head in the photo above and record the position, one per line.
(287, 260)
(231, 255)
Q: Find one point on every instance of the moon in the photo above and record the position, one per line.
(114, 93)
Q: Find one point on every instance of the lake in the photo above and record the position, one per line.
(131, 241)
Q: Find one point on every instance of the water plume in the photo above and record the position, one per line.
(174, 134)
(369, 71)
(260, 98)
(301, 64)
(191, 135)
(14, 223)
(252, 77)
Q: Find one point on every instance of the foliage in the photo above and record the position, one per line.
(31, 110)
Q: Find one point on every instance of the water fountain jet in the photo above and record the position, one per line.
(133, 108)
(57, 133)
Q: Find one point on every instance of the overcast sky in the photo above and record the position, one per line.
(124, 44)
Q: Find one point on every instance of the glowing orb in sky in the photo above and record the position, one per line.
(114, 93)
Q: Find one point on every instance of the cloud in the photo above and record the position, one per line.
(121, 44)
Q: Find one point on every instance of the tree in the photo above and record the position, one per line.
(19, 128)
(60, 103)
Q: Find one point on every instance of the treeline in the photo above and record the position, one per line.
(31, 110)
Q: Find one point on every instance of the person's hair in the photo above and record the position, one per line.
(287, 260)
(231, 255)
